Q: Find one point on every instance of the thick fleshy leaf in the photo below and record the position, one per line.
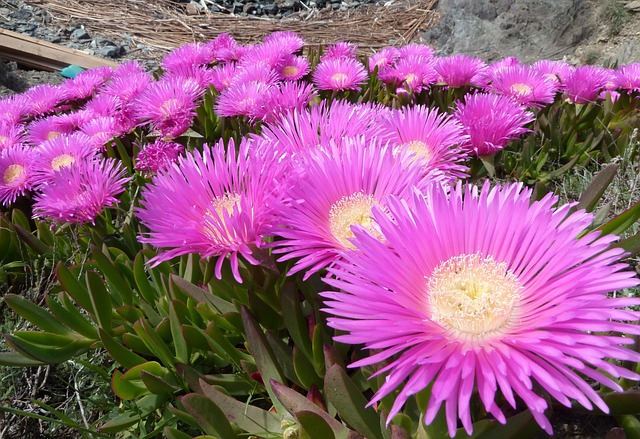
(72, 286)
(125, 357)
(144, 407)
(252, 419)
(592, 194)
(100, 300)
(127, 389)
(115, 280)
(208, 415)
(67, 313)
(202, 296)
(262, 354)
(350, 403)
(623, 403)
(518, 426)
(172, 433)
(154, 343)
(294, 321)
(35, 314)
(314, 425)
(47, 347)
(622, 222)
(295, 402)
(14, 359)
(32, 241)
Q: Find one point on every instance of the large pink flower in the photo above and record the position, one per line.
(338, 186)
(483, 288)
(214, 203)
(435, 140)
(79, 193)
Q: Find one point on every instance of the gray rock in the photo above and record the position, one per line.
(527, 29)
(633, 6)
(108, 52)
(80, 35)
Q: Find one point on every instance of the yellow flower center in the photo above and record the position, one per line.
(61, 161)
(521, 89)
(410, 79)
(12, 173)
(168, 107)
(53, 134)
(339, 79)
(472, 296)
(350, 210)
(215, 225)
(419, 150)
(290, 71)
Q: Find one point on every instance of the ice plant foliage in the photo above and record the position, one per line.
(459, 296)
(288, 164)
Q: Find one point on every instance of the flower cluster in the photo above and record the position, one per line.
(450, 286)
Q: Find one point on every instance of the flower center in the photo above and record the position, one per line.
(214, 225)
(472, 296)
(339, 79)
(419, 150)
(12, 173)
(61, 161)
(289, 71)
(521, 89)
(53, 135)
(168, 107)
(349, 210)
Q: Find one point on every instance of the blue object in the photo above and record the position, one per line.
(71, 71)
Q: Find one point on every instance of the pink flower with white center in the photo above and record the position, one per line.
(16, 175)
(491, 121)
(169, 105)
(87, 83)
(337, 188)
(553, 70)
(79, 193)
(46, 129)
(247, 99)
(433, 139)
(287, 97)
(525, 85)
(100, 130)
(415, 73)
(216, 203)
(60, 152)
(339, 74)
(383, 58)
(11, 134)
(484, 291)
(495, 68)
(223, 76)
(198, 76)
(293, 67)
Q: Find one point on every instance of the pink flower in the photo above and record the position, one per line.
(337, 188)
(556, 71)
(100, 130)
(491, 121)
(478, 289)
(460, 70)
(223, 76)
(285, 98)
(433, 138)
(246, 99)
(46, 129)
(16, 172)
(339, 74)
(415, 73)
(214, 203)
(79, 193)
(43, 99)
(584, 83)
(340, 50)
(525, 85)
(10, 135)
(60, 152)
(224, 48)
(191, 54)
(289, 41)
(383, 59)
(627, 77)
(169, 105)
(86, 83)
(158, 155)
(293, 67)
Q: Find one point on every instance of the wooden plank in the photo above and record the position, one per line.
(43, 55)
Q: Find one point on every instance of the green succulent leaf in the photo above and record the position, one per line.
(116, 282)
(350, 403)
(125, 357)
(295, 403)
(249, 418)
(172, 433)
(592, 194)
(16, 359)
(208, 415)
(64, 310)
(314, 425)
(100, 300)
(36, 315)
(144, 407)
